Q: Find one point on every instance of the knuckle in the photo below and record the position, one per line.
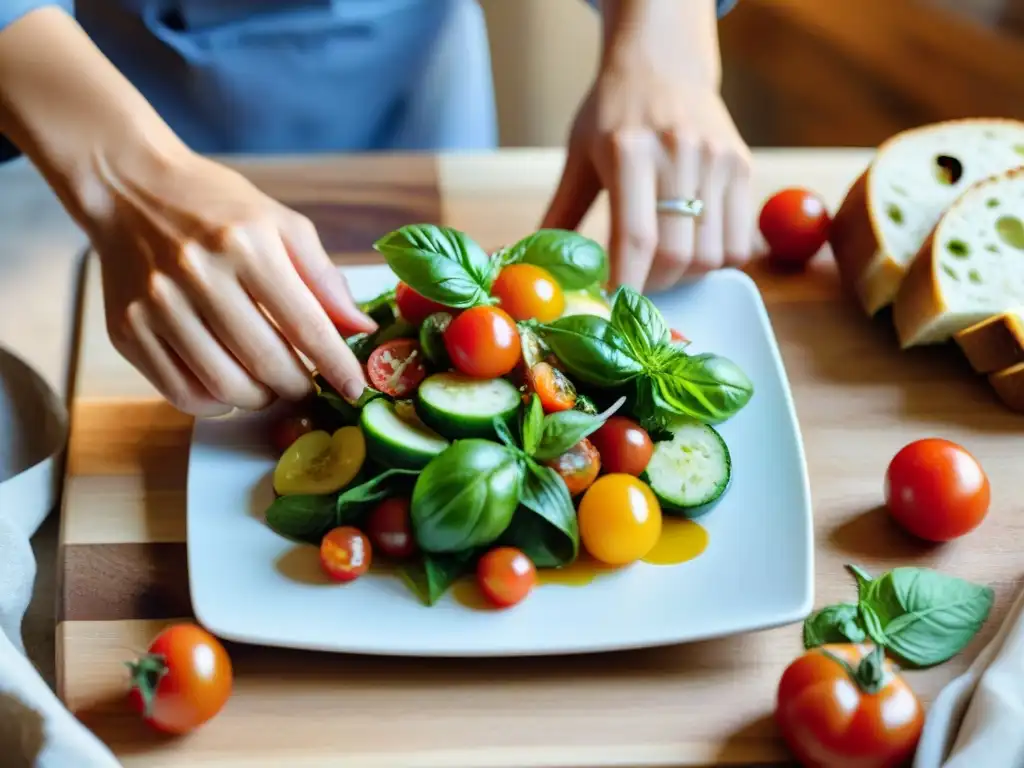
(159, 290)
(678, 141)
(674, 255)
(624, 144)
(641, 240)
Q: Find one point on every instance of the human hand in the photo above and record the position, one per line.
(648, 134)
(210, 286)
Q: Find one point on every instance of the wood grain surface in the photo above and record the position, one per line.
(124, 569)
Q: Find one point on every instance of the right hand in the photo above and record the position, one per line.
(210, 287)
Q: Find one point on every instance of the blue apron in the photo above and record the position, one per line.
(287, 76)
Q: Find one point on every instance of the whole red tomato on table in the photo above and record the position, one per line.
(845, 706)
(183, 681)
(795, 224)
(936, 490)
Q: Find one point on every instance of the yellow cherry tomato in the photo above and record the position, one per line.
(620, 519)
(319, 462)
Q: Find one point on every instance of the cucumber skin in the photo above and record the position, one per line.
(672, 509)
(446, 427)
(388, 454)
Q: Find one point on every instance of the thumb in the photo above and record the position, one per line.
(324, 280)
(576, 192)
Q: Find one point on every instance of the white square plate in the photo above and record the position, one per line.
(251, 585)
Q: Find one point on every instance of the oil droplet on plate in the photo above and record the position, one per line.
(466, 592)
(680, 540)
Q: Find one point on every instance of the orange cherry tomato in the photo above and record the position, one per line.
(620, 519)
(795, 224)
(183, 681)
(345, 553)
(624, 446)
(414, 307)
(843, 705)
(483, 342)
(936, 490)
(506, 576)
(555, 391)
(578, 467)
(529, 292)
(390, 529)
(287, 430)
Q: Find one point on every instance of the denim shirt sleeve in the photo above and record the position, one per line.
(10, 12)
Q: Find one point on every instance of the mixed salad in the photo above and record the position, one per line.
(517, 413)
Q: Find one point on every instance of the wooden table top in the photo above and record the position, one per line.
(858, 399)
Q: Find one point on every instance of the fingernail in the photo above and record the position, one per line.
(353, 390)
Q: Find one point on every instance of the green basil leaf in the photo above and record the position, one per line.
(533, 425)
(381, 309)
(873, 624)
(356, 501)
(466, 496)
(591, 349)
(639, 321)
(431, 575)
(504, 433)
(304, 518)
(563, 429)
(575, 261)
(834, 624)
(440, 263)
(545, 526)
(346, 413)
(704, 387)
(432, 339)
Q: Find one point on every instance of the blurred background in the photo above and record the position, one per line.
(796, 72)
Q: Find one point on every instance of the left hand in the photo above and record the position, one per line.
(645, 137)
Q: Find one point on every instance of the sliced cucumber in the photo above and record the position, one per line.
(458, 406)
(396, 438)
(690, 470)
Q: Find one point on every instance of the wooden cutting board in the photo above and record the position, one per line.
(859, 399)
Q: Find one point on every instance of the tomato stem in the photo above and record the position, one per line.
(146, 674)
(870, 674)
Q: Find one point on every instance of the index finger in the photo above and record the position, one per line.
(632, 193)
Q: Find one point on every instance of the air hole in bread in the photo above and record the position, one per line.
(1011, 231)
(1019, 149)
(948, 170)
(992, 203)
(894, 213)
(974, 276)
(949, 271)
(958, 248)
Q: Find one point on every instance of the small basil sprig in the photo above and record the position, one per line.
(441, 263)
(575, 261)
(430, 575)
(639, 322)
(548, 437)
(921, 616)
(592, 349)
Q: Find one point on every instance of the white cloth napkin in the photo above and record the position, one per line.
(36, 731)
(977, 720)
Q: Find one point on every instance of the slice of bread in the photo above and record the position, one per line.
(971, 267)
(1009, 386)
(994, 344)
(890, 210)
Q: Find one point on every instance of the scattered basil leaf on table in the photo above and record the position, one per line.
(466, 496)
(563, 429)
(592, 350)
(834, 624)
(440, 263)
(576, 262)
(431, 575)
(305, 517)
(639, 322)
(533, 425)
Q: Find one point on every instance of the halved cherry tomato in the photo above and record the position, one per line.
(553, 388)
(390, 529)
(677, 336)
(936, 490)
(527, 292)
(397, 367)
(795, 224)
(844, 705)
(624, 446)
(319, 462)
(414, 307)
(183, 680)
(506, 576)
(288, 429)
(620, 519)
(578, 467)
(345, 553)
(483, 342)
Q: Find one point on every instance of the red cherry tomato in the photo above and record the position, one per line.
(483, 342)
(835, 707)
(183, 681)
(397, 367)
(677, 336)
(624, 445)
(390, 529)
(345, 553)
(287, 430)
(578, 467)
(529, 292)
(414, 307)
(795, 224)
(936, 490)
(554, 390)
(505, 576)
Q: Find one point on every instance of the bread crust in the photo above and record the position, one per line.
(994, 344)
(919, 299)
(851, 235)
(1009, 386)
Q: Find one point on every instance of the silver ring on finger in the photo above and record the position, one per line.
(692, 207)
